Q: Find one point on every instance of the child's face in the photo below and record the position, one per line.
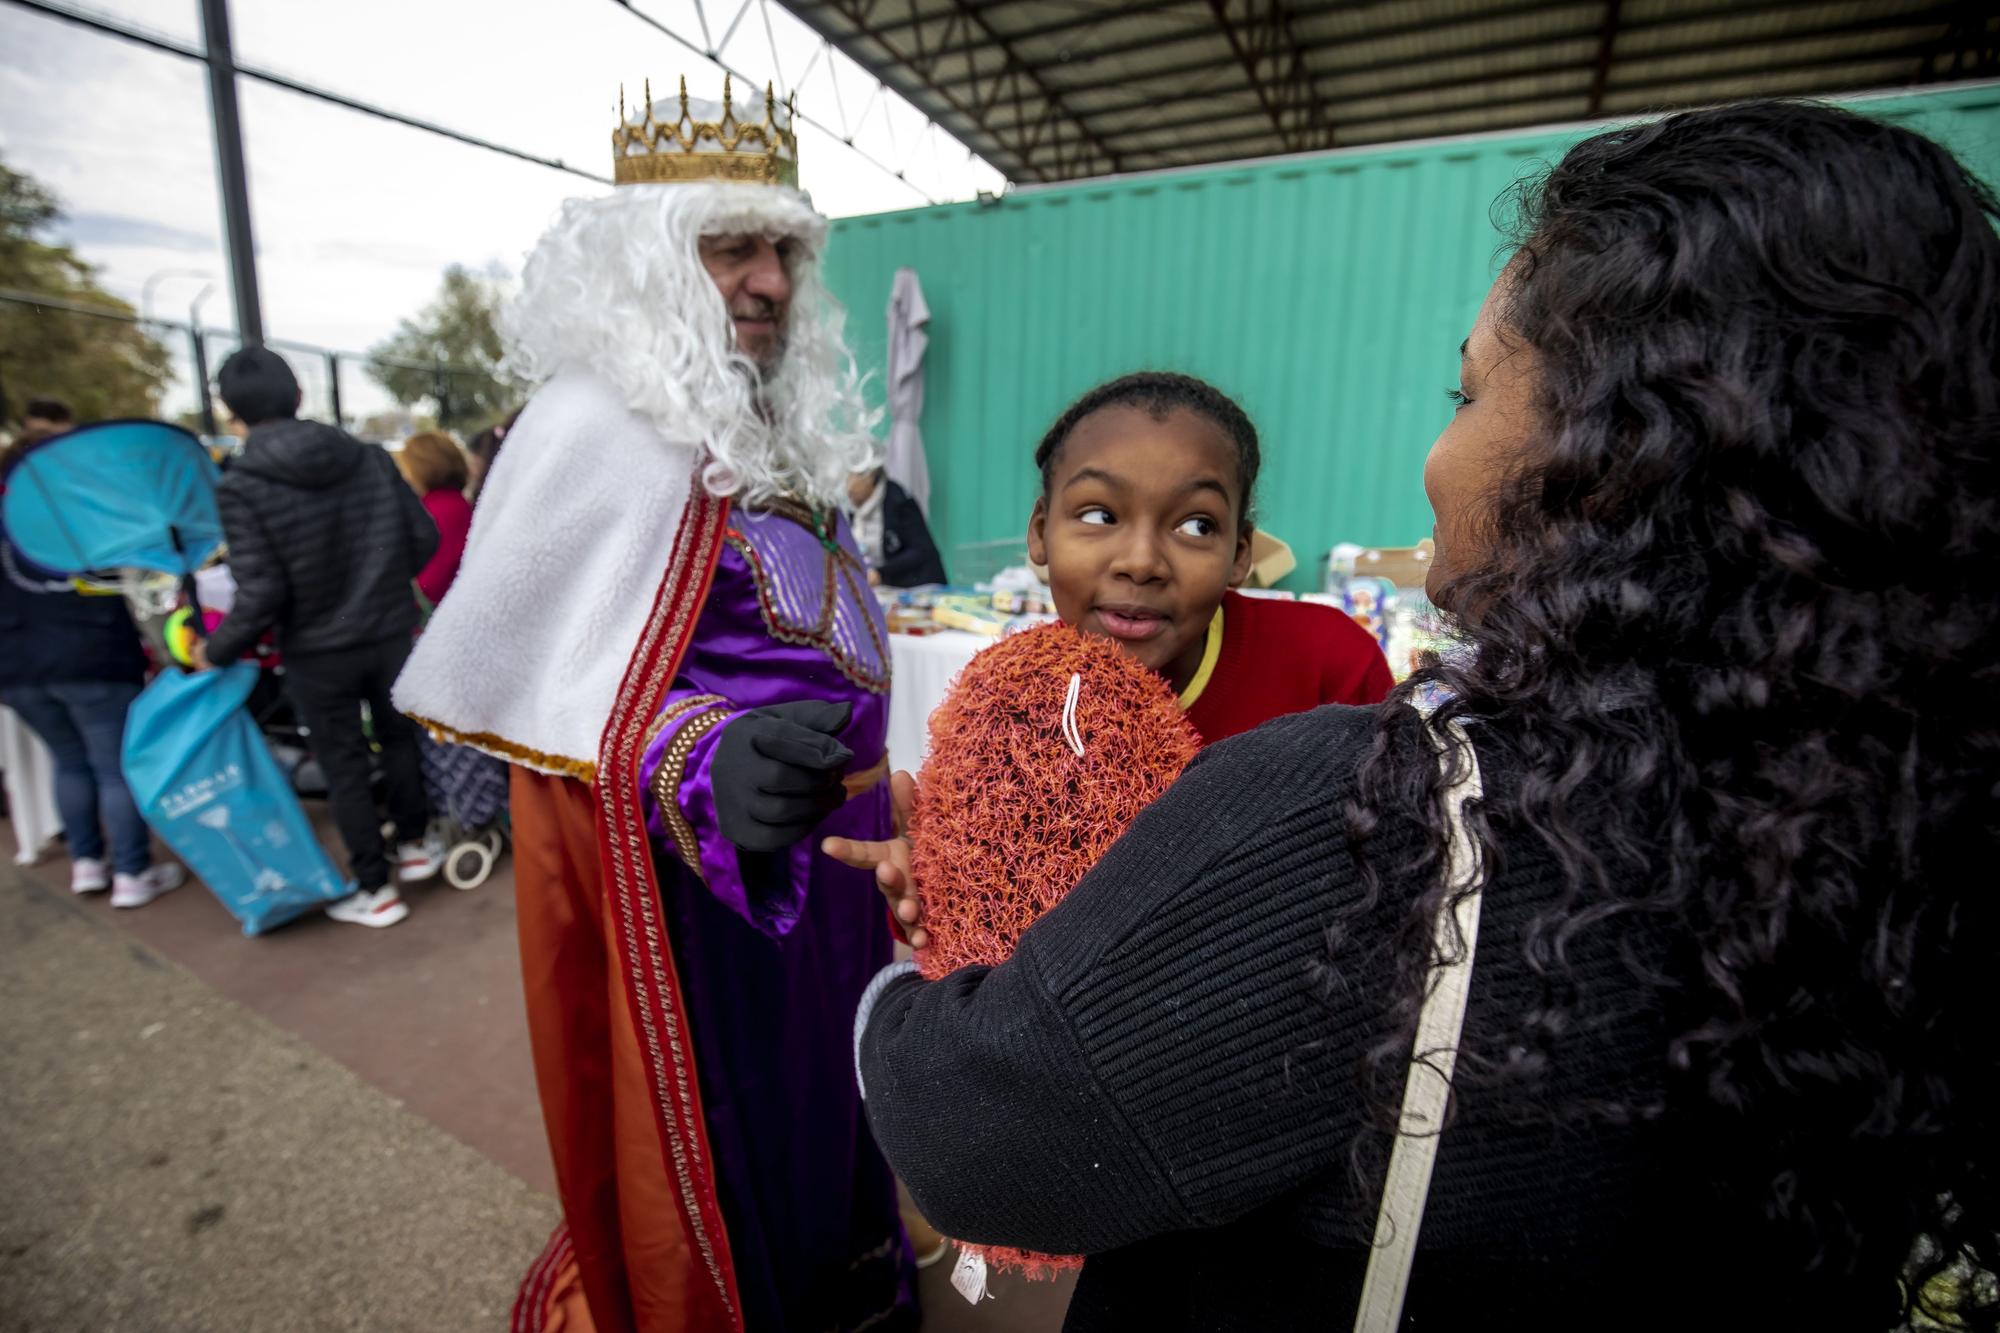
(1140, 534)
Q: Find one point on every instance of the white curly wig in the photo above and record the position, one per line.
(616, 288)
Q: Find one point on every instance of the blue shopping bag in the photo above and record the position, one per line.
(204, 779)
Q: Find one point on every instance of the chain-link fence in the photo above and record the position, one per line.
(326, 375)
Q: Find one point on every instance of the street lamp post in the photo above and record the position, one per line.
(155, 279)
(199, 343)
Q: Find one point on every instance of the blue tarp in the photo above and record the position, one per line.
(205, 780)
(120, 494)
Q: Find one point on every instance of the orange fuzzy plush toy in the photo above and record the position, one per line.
(1049, 745)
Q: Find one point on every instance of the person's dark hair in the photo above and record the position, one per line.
(1159, 393)
(485, 449)
(1738, 646)
(485, 445)
(257, 386)
(48, 409)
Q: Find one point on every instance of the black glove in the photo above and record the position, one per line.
(777, 772)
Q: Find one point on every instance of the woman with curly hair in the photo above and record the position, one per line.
(1717, 517)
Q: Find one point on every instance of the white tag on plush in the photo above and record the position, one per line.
(969, 1276)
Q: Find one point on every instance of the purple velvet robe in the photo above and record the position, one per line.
(772, 972)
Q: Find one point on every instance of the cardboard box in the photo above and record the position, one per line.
(1270, 560)
(1404, 566)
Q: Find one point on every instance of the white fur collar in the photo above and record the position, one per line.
(524, 656)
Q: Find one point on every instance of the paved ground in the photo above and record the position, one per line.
(173, 1161)
(325, 1128)
(428, 1011)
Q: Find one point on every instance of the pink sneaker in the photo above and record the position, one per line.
(140, 889)
(89, 876)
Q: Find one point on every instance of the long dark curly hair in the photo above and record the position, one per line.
(1737, 639)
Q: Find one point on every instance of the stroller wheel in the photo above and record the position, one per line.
(468, 865)
(495, 841)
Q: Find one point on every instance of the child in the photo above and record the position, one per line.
(1144, 525)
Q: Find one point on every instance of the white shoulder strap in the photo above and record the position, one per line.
(1428, 1087)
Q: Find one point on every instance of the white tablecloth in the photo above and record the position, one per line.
(31, 787)
(924, 665)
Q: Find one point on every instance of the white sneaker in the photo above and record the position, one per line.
(89, 877)
(381, 907)
(420, 860)
(140, 889)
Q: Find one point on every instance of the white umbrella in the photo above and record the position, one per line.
(907, 340)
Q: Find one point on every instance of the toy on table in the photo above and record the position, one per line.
(1047, 748)
(1370, 601)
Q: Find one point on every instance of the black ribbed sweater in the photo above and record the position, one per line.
(1157, 1081)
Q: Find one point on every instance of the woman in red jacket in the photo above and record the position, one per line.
(434, 465)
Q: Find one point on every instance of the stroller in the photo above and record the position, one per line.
(469, 789)
(270, 708)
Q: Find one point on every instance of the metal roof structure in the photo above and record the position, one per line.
(1051, 90)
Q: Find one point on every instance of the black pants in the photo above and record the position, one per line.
(328, 689)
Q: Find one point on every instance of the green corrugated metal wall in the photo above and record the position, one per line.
(1328, 294)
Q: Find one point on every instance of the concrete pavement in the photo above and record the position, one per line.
(328, 1127)
(173, 1161)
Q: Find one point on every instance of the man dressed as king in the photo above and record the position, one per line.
(663, 622)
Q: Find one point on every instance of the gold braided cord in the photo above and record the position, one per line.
(667, 784)
(502, 748)
(678, 709)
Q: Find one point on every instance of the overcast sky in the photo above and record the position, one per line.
(356, 218)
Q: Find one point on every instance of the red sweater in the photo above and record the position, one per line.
(453, 516)
(1285, 657)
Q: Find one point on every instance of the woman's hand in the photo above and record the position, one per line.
(890, 861)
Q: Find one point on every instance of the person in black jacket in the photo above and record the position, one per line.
(71, 667)
(890, 527)
(1718, 522)
(324, 540)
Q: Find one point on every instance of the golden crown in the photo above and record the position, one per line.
(682, 148)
